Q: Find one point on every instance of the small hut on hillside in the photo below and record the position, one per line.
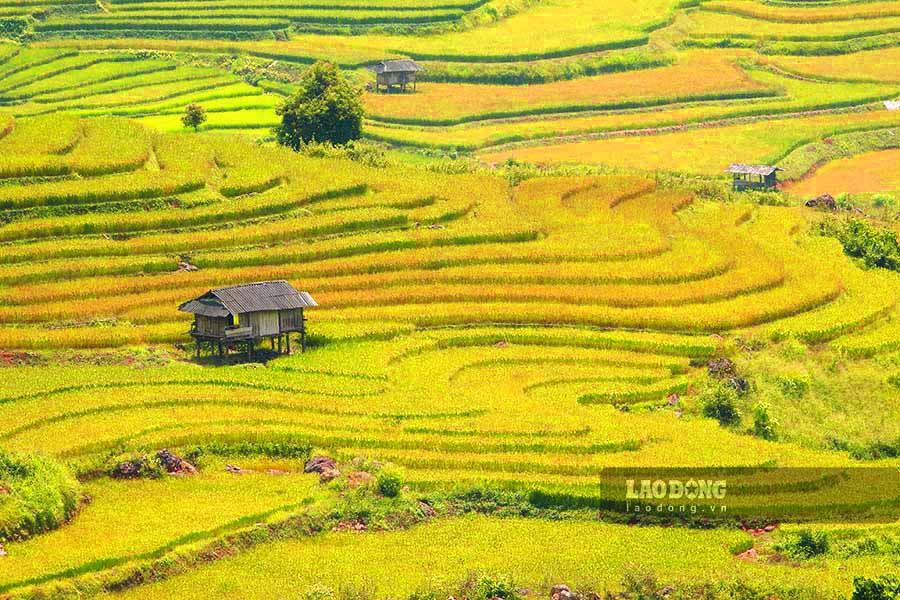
(248, 314)
(754, 177)
(393, 74)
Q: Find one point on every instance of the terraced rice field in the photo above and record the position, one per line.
(44, 81)
(553, 319)
(865, 173)
(533, 279)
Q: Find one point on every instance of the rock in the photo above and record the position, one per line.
(236, 469)
(501, 344)
(174, 464)
(317, 464)
(823, 202)
(673, 399)
(186, 267)
(3, 551)
(740, 385)
(355, 525)
(721, 368)
(327, 475)
(358, 478)
(559, 587)
(564, 595)
(129, 469)
(4, 490)
(427, 509)
(669, 589)
(750, 554)
(769, 528)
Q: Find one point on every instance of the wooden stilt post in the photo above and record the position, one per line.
(220, 350)
(288, 340)
(303, 341)
(279, 343)
(249, 349)
(198, 347)
(272, 342)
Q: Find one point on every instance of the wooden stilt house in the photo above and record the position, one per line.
(753, 177)
(248, 314)
(395, 74)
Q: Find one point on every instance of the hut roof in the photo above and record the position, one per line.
(396, 66)
(247, 298)
(752, 169)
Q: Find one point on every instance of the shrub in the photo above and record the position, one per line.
(876, 247)
(389, 482)
(719, 402)
(487, 587)
(794, 387)
(886, 587)
(41, 495)
(763, 423)
(640, 582)
(425, 594)
(805, 544)
(136, 467)
(319, 592)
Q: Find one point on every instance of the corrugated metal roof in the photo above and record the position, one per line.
(752, 169)
(206, 305)
(396, 66)
(249, 297)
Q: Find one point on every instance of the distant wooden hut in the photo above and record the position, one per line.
(393, 74)
(754, 177)
(248, 314)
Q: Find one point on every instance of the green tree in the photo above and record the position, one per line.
(326, 108)
(719, 401)
(764, 426)
(194, 116)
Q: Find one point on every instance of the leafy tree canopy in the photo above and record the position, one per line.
(194, 116)
(326, 108)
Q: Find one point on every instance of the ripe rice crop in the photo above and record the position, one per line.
(193, 23)
(814, 14)
(719, 25)
(42, 136)
(879, 338)
(127, 82)
(870, 172)
(799, 96)
(46, 68)
(102, 147)
(564, 323)
(699, 76)
(129, 18)
(703, 150)
(873, 65)
(97, 72)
